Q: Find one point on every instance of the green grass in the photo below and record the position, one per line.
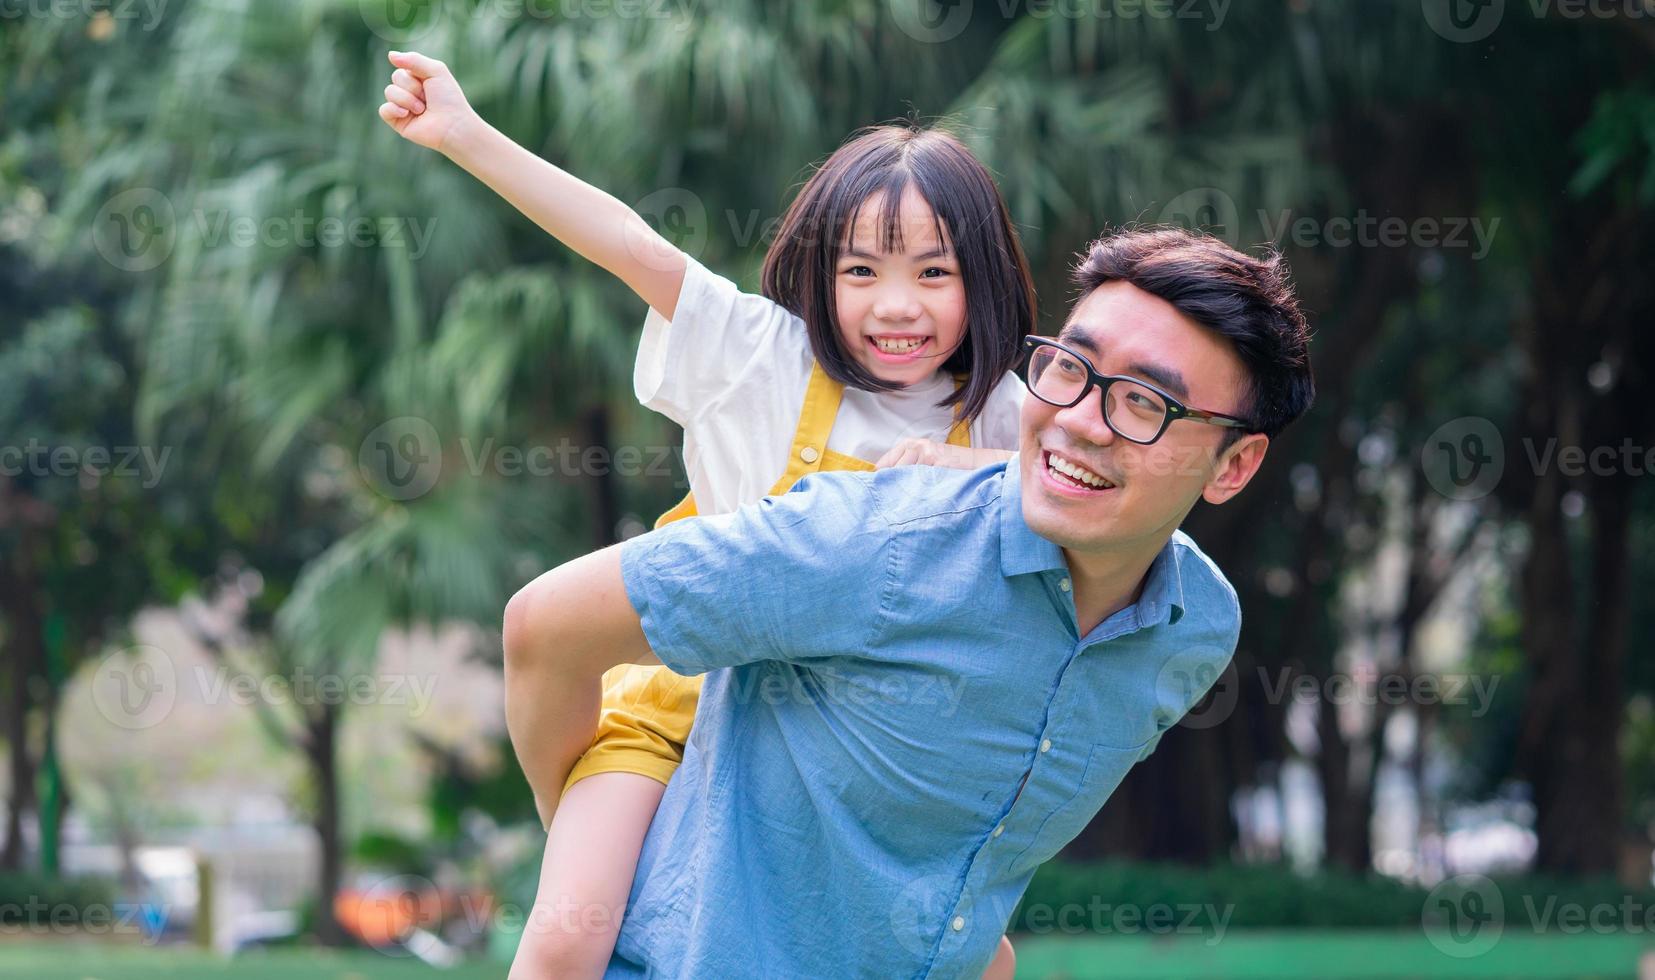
(105, 961)
(1251, 955)
(1264, 955)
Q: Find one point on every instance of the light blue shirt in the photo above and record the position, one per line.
(900, 722)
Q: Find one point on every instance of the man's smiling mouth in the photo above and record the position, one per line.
(1067, 473)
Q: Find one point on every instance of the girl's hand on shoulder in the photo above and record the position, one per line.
(423, 103)
(929, 452)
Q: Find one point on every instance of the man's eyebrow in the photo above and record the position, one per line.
(1076, 336)
(1167, 377)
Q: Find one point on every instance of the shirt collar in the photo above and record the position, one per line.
(1163, 597)
(1021, 550)
(1024, 552)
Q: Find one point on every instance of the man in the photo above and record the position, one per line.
(924, 682)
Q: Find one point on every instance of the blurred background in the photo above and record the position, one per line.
(290, 407)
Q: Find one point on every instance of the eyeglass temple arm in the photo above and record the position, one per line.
(1213, 418)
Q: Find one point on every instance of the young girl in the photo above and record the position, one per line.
(895, 299)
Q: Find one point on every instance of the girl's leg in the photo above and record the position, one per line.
(1004, 964)
(591, 855)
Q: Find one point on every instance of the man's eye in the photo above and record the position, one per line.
(1068, 366)
(1141, 402)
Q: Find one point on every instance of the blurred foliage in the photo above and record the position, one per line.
(270, 365)
(38, 902)
(1276, 897)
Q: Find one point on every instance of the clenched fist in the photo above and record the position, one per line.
(424, 102)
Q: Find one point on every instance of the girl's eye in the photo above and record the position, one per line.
(927, 274)
(859, 271)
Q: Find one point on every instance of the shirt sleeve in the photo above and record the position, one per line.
(795, 577)
(718, 337)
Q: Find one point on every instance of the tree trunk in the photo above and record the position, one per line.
(321, 748)
(1178, 810)
(604, 490)
(1341, 830)
(1575, 619)
(24, 638)
(1578, 806)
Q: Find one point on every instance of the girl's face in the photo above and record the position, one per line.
(901, 313)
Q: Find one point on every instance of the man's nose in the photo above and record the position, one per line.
(1083, 420)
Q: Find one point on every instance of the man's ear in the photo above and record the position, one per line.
(1236, 467)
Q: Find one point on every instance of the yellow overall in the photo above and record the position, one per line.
(647, 710)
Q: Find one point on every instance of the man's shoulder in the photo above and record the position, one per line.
(904, 496)
(1207, 591)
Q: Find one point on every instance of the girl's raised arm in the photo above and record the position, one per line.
(424, 104)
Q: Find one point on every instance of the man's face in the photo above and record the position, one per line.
(1123, 330)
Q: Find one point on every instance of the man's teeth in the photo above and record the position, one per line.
(898, 346)
(1076, 473)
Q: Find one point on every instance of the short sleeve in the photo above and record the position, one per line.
(716, 334)
(794, 577)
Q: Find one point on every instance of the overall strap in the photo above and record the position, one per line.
(821, 408)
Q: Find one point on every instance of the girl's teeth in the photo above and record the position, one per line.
(898, 346)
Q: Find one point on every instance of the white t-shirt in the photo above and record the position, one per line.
(732, 368)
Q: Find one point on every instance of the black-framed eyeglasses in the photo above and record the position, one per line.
(1134, 409)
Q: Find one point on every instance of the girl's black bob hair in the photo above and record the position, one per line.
(800, 268)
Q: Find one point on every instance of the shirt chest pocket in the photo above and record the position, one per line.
(1106, 766)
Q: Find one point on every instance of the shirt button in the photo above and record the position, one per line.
(999, 830)
(1064, 585)
(809, 454)
(1045, 745)
(958, 923)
